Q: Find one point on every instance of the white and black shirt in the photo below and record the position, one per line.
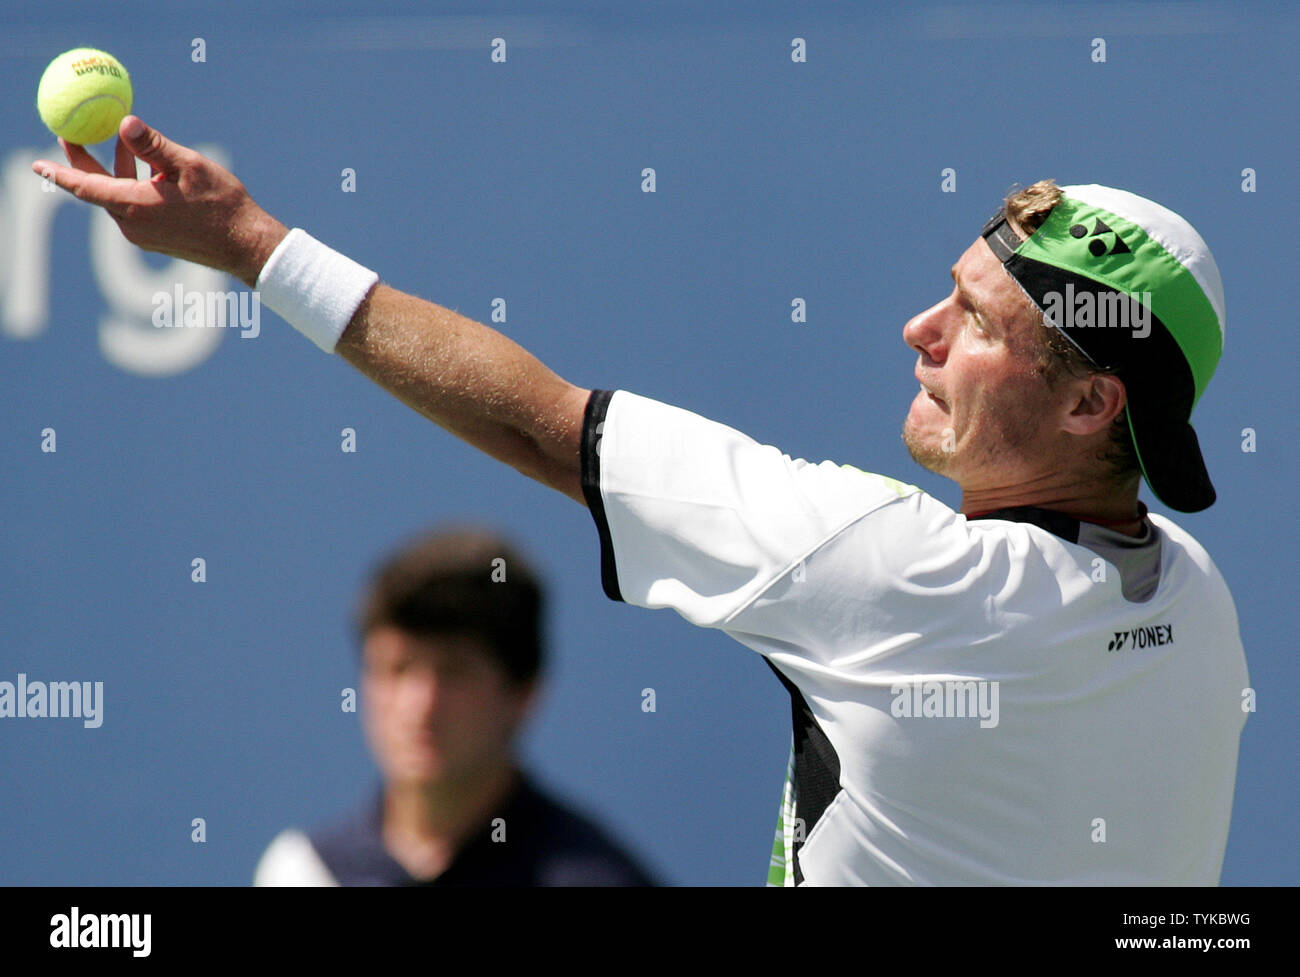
(1013, 699)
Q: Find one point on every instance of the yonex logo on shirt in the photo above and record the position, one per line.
(1148, 637)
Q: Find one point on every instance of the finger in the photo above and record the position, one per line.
(124, 161)
(97, 188)
(44, 169)
(79, 157)
(163, 155)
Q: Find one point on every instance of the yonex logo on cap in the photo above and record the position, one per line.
(1097, 246)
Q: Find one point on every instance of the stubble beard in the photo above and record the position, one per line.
(1002, 444)
(928, 456)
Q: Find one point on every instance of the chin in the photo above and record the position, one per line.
(419, 773)
(418, 780)
(926, 452)
(421, 767)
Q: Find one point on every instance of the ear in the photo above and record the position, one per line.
(1095, 403)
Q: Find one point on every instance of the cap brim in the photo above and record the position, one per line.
(1170, 457)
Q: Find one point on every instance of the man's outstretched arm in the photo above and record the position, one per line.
(464, 376)
(472, 381)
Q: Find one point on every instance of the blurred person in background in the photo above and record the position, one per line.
(452, 649)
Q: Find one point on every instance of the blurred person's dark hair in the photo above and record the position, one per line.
(461, 579)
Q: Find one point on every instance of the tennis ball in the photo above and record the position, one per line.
(84, 95)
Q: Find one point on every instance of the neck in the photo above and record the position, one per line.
(1114, 506)
(425, 824)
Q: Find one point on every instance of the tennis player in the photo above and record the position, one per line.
(1044, 687)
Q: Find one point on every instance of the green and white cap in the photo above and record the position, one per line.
(1135, 288)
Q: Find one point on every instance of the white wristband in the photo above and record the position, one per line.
(313, 287)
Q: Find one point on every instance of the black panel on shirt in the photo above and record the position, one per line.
(546, 844)
(592, 423)
(816, 767)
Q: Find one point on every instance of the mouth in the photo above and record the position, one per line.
(941, 404)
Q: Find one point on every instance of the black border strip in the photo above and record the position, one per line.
(592, 423)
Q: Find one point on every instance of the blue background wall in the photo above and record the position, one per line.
(477, 180)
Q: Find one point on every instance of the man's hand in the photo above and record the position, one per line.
(190, 208)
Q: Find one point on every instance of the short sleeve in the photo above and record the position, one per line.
(699, 517)
(291, 860)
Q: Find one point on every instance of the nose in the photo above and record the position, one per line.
(421, 692)
(927, 332)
